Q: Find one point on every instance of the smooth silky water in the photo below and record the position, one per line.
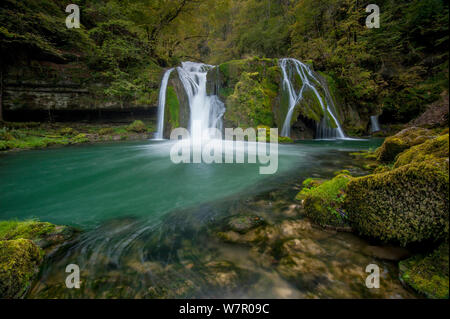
(149, 226)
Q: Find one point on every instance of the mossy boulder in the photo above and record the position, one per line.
(394, 145)
(19, 262)
(23, 245)
(434, 148)
(322, 202)
(405, 205)
(428, 274)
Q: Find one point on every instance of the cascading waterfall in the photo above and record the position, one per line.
(162, 104)
(291, 68)
(205, 109)
(374, 124)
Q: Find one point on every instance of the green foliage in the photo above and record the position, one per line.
(405, 205)
(428, 274)
(323, 201)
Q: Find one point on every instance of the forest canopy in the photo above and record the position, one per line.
(398, 68)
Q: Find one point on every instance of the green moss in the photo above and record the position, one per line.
(137, 126)
(394, 145)
(67, 131)
(323, 202)
(428, 274)
(173, 107)
(24, 229)
(80, 138)
(19, 261)
(433, 148)
(106, 131)
(250, 105)
(405, 205)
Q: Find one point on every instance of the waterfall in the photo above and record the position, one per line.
(291, 68)
(162, 104)
(205, 109)
(374, 124)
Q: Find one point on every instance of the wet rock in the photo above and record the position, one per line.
(244, 223)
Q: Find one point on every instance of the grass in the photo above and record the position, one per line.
(30, 229)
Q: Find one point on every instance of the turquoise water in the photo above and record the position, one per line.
(150, 227)
(87, 185)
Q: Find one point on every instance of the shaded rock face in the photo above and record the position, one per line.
(436, 113)
(32, 86)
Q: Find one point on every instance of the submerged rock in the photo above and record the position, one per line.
(243, 223)
(394, 145)
(428, 275)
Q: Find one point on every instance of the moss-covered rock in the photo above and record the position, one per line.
(433, 148)
(322, 202)
(249, 105)
(19, 262)
(428, 274)
(401, 141)
(249, 88)
(23, 246)
(405, 205)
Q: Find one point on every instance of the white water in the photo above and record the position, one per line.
(290, 68)
(205, 109)
(374, 124)
(162, 104)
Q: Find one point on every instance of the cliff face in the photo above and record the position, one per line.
(44, 90)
